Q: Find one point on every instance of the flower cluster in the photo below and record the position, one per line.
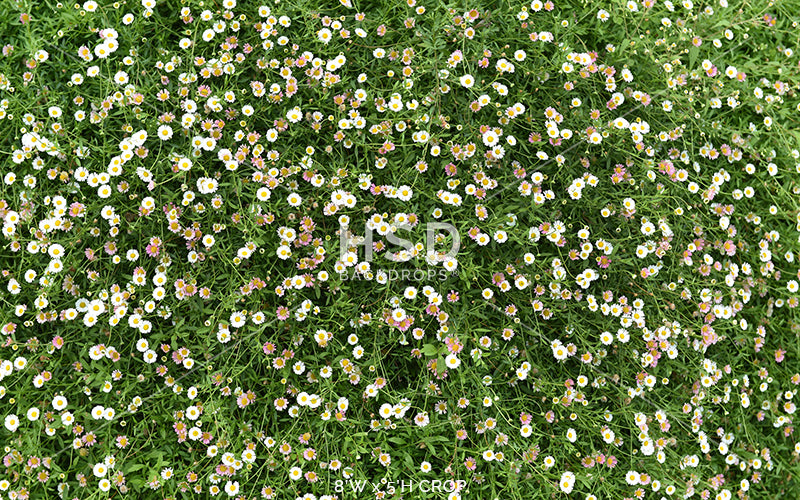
(225, 234)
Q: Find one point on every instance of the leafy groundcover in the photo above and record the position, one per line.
(382, 249)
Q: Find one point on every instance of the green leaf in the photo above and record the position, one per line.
(440, 366)
(134, 468)
(693, 52)
(408, 461)
(429, 350)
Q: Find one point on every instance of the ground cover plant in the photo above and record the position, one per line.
(375, 249)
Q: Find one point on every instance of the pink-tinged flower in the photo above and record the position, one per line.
(76, 210)
(470, 463)
(245, 399)
(89, 254)
(779, 355)
(152, 250)
(550, 416)
(283, 313)
(122, 441)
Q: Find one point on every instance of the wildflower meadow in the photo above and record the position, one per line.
(417, 249)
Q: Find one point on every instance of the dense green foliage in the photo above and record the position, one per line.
(217, 279)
